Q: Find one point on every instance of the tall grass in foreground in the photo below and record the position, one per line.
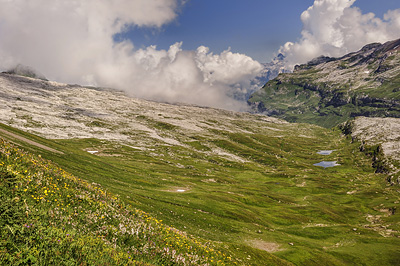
(49, 217)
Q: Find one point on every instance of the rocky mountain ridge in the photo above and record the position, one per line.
(272, 69)
(328, 91)
(61, 111)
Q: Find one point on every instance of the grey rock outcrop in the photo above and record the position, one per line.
(26, 71)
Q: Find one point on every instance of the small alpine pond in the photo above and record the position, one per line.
(326, 164)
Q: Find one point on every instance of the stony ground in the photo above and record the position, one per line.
(60, 111)
(380, 131)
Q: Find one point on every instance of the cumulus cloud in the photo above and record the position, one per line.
(73, 41)
(336, 27)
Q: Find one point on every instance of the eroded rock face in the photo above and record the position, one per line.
(384, 132)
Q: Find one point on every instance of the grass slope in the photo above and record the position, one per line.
(270, 206)
(49, 217)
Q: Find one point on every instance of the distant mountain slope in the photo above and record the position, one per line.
(55, 110)
(327, 91)
(272, 69)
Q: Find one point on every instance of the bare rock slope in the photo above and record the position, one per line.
(61, 111)
(382, 132)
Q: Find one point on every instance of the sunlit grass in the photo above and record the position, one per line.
(314, 216)
(49, 216)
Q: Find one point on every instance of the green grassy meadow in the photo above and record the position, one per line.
(271, 206)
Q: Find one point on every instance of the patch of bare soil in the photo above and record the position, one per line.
(178, 189)
(267, 246)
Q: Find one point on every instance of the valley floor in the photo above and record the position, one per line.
(273, 205)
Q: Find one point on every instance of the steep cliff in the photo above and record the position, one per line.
(327, 91)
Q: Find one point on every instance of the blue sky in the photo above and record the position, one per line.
(256, 28)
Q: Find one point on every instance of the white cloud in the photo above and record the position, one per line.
(335, 27)
(226, 68)
(175, 75)
(72, 41)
